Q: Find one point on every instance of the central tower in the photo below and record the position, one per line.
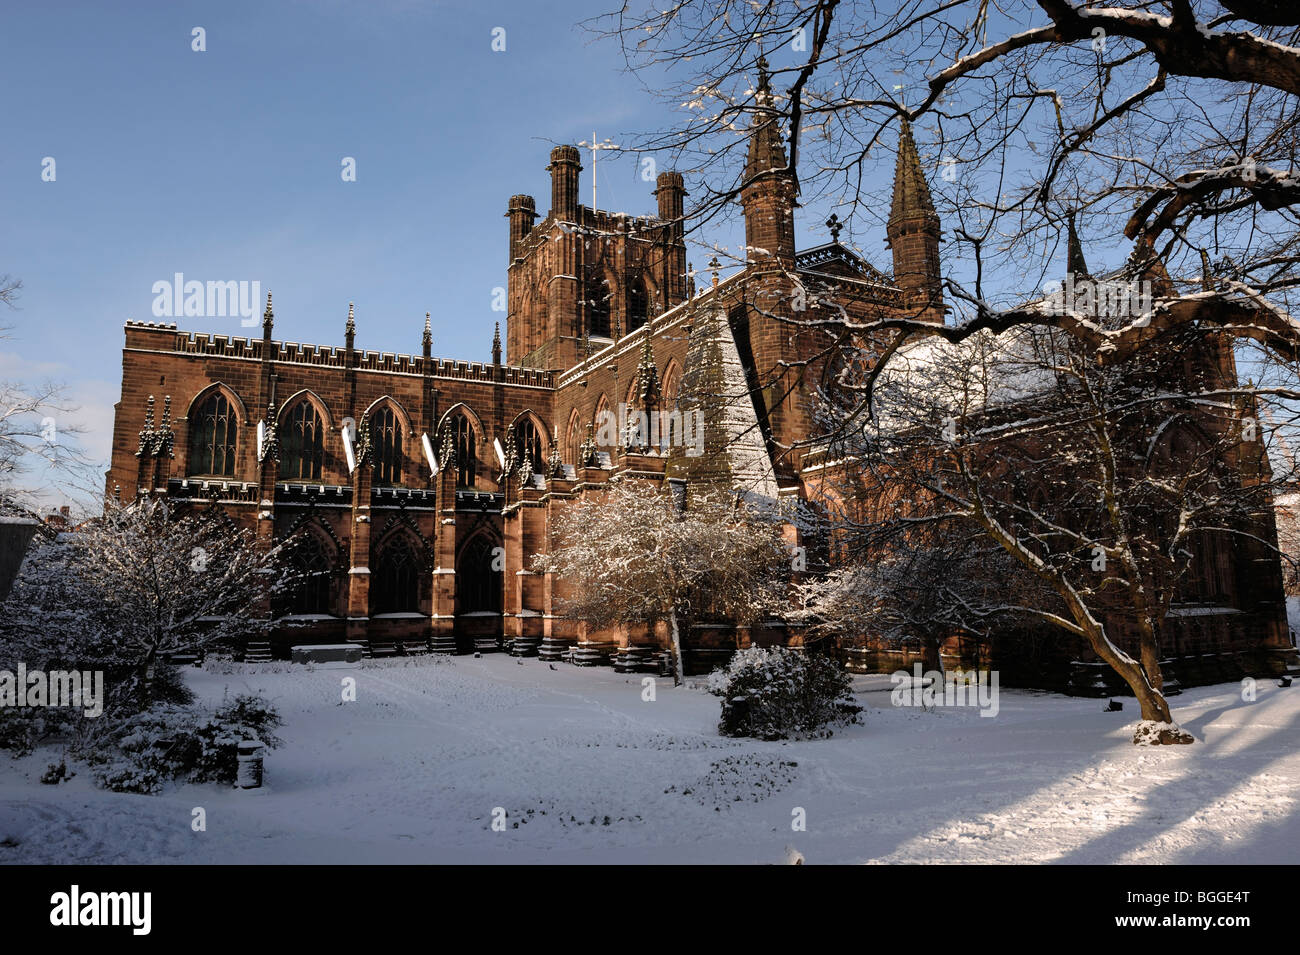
(586, 274)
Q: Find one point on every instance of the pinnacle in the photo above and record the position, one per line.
(911, 191)
(1074, 262)
(766, 151)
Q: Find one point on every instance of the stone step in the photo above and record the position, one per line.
(591, 654)
(554, 649)
(257, 651)
(642, 660)
(524, 646)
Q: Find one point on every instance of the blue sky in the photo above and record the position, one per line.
(225, 165)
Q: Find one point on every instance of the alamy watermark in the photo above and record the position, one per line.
(55, 688)
(932, 688)
(178, 298)
(633, 427)
(1082, 294)
(128, 909)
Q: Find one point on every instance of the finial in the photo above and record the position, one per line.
(834, 224)
(428, 329)
(714, 265)
(352, 324)
(496, 345)
(268, 317)
(764, 84)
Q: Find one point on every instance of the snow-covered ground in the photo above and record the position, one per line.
(588, 772)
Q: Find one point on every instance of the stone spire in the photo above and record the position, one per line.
(766, 151)
(648, 375)
(268, 317)
(1074, 261)
(913, 232)
(157, 441)
(911, 191)
(271, 439)
(350, 329)
(447, 451)
(146, 433)
(427, 340)
(496, 345)
(768, 193)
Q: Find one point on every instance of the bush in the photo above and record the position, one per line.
(173, 743)
(776, 693)
(56, 773)
(23, 728)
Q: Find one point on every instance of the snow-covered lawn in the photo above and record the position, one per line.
(588, 772)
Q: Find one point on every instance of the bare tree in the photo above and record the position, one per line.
(1168, 127)
(10, 288)
(1110, 489)
(37, 426)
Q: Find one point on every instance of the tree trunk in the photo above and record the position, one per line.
(1146, 686)
(931, 657)
(147, 675)
(677, 647)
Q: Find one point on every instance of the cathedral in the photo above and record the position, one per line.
(415, 489)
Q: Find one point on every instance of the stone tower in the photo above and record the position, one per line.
(914, 234)
(583, 273)
(763, 333)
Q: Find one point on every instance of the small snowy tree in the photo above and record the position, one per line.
(633, 555)
(135, 585)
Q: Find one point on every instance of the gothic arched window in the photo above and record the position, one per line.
(478, 579)
(672, 380)
(214, 429)
(528, 445)
(302, 443)
(395, 577)
(466, 462)
(573, 437)
(386, 439)
(638, 304)
(598, 306)
(310, 568)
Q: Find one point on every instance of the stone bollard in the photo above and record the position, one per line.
(249, 774)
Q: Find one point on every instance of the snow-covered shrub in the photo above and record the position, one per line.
(173, 743)
(136, 754)
(22, 728)
(776, 693)
(56, 773)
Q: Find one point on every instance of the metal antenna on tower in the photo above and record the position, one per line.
(595, 147)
